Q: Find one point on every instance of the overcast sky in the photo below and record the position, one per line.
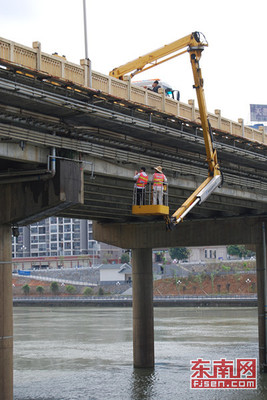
(233, 66)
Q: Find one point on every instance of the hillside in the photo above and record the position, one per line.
(201, 284)
(207, 284)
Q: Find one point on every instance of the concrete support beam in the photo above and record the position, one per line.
(261, 305)
(261, 263)
(187, 233)
(26, 202)
(143, 320)
(6, 315)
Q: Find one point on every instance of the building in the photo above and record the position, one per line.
(115, 273)
(196, 254)
(68, 243)
(60, 241)
(207, 254)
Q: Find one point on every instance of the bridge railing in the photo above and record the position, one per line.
(59, 67)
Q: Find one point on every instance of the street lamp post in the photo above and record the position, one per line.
(23, 248)
(86, 44)
(85, 29)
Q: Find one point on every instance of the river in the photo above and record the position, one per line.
(86, 353)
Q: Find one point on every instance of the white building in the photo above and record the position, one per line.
(207, 254)
(115, 273)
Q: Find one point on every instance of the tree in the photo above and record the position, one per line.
(239, 251)
(54, 287)
(26, 289)
(40, 289)
(125, 258)
(101, 291)
(88, 291)
(180, 253)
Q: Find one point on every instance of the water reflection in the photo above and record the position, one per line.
(142, 384)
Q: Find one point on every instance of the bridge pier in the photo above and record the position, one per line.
(143, 320)
(25, 202)
(261, 305)
(6, 314)
(144, 237)
(261, 257)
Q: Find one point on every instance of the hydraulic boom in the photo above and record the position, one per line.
(193, 44)
(214, 178)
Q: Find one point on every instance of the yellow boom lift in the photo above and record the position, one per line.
(193, 44)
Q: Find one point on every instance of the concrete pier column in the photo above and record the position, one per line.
(6, 314)
(143, 316)
(261, 304)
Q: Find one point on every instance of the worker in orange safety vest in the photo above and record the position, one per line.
(158, 180)
(141, 182)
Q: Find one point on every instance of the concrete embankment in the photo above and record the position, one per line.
(127, 302)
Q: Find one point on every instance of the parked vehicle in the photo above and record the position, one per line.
(147, 83)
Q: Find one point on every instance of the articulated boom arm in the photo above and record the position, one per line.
(214, 175)
(194, 45)
(157, 57)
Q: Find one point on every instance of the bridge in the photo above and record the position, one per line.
(70, 150)
(109, 140)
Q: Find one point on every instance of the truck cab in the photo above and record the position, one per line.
(147, 84)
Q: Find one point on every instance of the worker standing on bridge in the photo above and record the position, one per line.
(141, 181)
(158, 180)
(155, 86)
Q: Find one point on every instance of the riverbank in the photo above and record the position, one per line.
(126, 301)
(198, 284)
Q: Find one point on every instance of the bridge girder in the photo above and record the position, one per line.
(117, 137)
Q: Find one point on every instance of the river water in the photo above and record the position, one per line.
(86, 353)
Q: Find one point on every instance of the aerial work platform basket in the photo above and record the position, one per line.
(143, 201)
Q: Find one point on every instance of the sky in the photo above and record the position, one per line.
(233, 65)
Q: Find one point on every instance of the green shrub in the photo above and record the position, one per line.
(26, 289)
(70, 289)
(88, 291)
